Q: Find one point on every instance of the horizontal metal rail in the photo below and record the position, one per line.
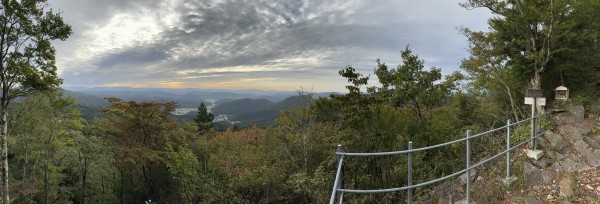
(439, 179)
(340, 154)
(356, 154)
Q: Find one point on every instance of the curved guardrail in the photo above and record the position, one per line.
(338, 191)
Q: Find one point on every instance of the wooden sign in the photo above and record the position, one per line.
(538, 101)
(534, 93)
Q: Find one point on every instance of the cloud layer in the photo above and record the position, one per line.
(262, 44)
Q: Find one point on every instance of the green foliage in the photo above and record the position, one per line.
(554, 41)
(410, 86)
(488, 68)
(27, 61)
(355, 79)
(584, 100)
(54, 160)
(182, 169)
(204, 119)
(139, 147)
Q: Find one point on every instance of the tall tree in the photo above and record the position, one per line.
(527, 30)
(27, 58)
(489, 69)
(139, 143)
(410, 86)
(44, 144)
(204, 119)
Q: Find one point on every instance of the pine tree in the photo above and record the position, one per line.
(204, 119)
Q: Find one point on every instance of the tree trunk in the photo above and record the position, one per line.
(122, 193)
(46, 185)
(535, 80)
(84, 180)
(4, 155)
(513, 104)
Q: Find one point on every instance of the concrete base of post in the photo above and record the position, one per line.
(509, 180)
(535, 154)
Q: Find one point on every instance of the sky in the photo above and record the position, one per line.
(253, 44)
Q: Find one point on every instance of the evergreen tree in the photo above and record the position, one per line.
(204, 119)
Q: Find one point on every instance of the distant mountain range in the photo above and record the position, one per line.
(242, 107)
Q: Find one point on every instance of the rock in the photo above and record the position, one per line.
(598, 188)
(556, 166)
(542, 162)
(463, 178)
(446, 192)
(568, 165)
(549, 197)
(560, 157)
(566, 187)
(543, 142)
(547, 177)
(574, 114)
(531, 200)
(533, 175)
(582, 166)
(589, 187)
(594, 158)
(591, 142)
(555, 140)
(582, 147)
(585, 127)
(577, 112)
(571, 133)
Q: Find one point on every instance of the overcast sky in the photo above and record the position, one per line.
(258, 44)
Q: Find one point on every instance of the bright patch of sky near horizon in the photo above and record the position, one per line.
(256, 44)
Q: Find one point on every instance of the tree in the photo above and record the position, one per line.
(204, 119)
(138, 133)
(577, 66)
(488, 67)
(182, 165)
(408, 85)
(27, 59)
(56, 162)
(527, 30)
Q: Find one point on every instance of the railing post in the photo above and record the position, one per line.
(508, 149)
(533, 121)
(410, 172)
(340, 184)
(468, 165)
(337, 183)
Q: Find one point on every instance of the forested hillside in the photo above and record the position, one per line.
(137, 151)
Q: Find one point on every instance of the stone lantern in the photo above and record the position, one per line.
(561, 93)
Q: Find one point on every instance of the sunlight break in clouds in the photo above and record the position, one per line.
(279, 44)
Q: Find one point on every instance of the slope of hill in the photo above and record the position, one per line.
(241, 106)
(268, 115)
(256, 107)
(87, 100)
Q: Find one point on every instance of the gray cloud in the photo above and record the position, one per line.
(296, 40)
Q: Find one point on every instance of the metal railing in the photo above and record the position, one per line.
(338, 191)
